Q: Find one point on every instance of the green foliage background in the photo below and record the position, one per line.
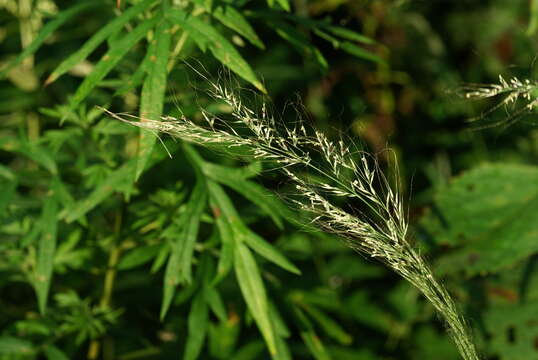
(109, 249)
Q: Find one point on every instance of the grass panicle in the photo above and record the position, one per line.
(517, 97)
(379, 230)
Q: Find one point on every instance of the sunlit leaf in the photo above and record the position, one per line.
(233, 19)
(153, 90)
(89, 46)
(46, 31)
(110, 60)
(207, 37)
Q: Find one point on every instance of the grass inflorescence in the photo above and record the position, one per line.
(379, 230)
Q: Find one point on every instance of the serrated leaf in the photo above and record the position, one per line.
(198, 322)
(206, 36)
(489, 214)
(253, 290)
(46, 251)
(110, 60)
(89, 46)
(234, 20)
(46, 31)
(153, 90)
(513, 331)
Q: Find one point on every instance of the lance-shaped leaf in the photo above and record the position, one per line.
(110, 60)
(250, 190)
(206, 37)
(108, 30)
(46, 31)
(178, 269)
(152, 98)
(267, 250)
(46, 251)
(198, 323)
(251, 285)
(111, 184)
(233, 19)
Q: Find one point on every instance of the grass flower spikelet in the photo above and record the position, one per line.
(381, 228)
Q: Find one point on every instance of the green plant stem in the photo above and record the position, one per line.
(177, 50)
(109, 280)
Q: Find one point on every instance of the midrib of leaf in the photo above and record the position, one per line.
(153, 91)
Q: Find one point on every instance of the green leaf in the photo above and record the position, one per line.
(178, 269)
(233, 19)
(489, 214)
(285, 4)
(299, 40)
(311, 340)
(253, 290)
(359, 52)
(250, 190)
(198, 322)
(214, 301)
(223, 205)
(533, 22)
(230, 226)
(9, 188)
(216, 171)
(330, 326)
(89, 46)
(53, 353)
(46, 31)
(226, 251)
(513, 333)
(15, 346)
(110, 60)
(111, 184)
(138, 256)
(206, 36)
(39, 154)
(250, 351)
(267, 250)
(223, 337)
(153, 90)
(349, 34)
(46, 251)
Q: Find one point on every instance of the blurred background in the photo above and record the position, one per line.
(91, 209)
